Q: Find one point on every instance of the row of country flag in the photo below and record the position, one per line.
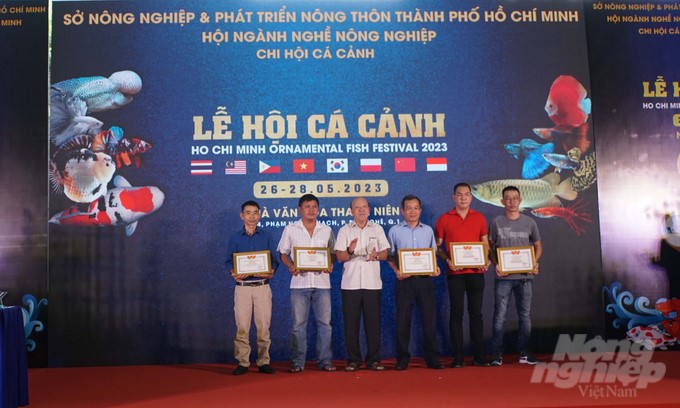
(401, 165)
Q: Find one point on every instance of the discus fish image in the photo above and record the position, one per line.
(568, 137)
(567, 103)
(100, 93)
(68, 119)
(574, 215)
(81, 174)
(543, 192)
(561, 161)
(534, 165)
(123, 205)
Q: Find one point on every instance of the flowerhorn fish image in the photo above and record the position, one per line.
(121, 206)
(100, 93)
(567, 103)
(543, 192)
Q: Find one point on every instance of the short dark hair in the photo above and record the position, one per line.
(307, 197)
(410, 197)
(461, 185)
(250, 203)
(510, 188)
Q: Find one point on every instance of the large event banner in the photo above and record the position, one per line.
(167, 115)
(633, 50)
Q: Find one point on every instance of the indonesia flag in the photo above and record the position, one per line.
(436, 164)
(371, 165)
(201, 167)
(270, 167)
(405, 164)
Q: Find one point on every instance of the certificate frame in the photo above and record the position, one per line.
(519, 259)
(312, 259)
(252, 263)
(417, 261)
(468, 254)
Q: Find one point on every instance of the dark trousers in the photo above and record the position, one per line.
(471, 284)
(416, 290)
(356, 303)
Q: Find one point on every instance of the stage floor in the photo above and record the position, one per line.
(213, 385)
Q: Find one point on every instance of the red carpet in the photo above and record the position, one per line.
(212, 385)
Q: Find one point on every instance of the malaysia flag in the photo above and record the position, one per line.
(303, 166)
(201, 167)
(371, 165)
(405, 164)
(336, 165)
(235, 167)
(436, 164)
(270, 167)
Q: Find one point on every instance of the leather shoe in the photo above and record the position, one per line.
(401, 366)
(436, 365)
(375, 366)
(457, 364)
(240, 370)
(480, 363)
(266, 369)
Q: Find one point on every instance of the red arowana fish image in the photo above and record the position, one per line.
(573, 215)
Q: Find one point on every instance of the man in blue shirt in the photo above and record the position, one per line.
(409, 234)
(252, 292)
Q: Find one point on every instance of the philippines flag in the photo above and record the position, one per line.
(201, 167)
(303, 166)
(371, 165)
(270, 167)
(235, 167)
(436, 164)
(336, 165)
(405, 164)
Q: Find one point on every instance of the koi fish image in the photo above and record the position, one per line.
(82, 175)
(574, 215)
(543, 192)
(123, 205)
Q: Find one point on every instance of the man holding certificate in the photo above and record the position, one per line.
(515, 250)
(305, 249)
(361, 245)
(463, 231)
(410, 241)
(252, 260)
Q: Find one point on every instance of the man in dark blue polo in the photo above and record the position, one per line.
(252, 292)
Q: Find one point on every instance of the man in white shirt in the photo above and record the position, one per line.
(361, 245)
(308, 288)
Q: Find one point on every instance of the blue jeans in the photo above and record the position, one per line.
(320, 300)
(503, 288)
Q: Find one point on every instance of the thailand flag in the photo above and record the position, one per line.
(201, 167)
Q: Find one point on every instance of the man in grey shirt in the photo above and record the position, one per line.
(511, 230)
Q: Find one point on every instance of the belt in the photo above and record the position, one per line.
(252, 283)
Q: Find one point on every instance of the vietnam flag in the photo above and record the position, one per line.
(303, 166)
(405, 164)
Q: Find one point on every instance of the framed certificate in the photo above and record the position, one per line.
(311, 259)
(516, 259)
(252, 263)
(468, 254)
(417, 261)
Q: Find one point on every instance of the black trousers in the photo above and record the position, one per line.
(356, 303)
(471, 284)
(416, 290)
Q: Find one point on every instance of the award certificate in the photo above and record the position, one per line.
(312, 259)
(417, 261)
(252, 263)
(516, 259)
(468, 254)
